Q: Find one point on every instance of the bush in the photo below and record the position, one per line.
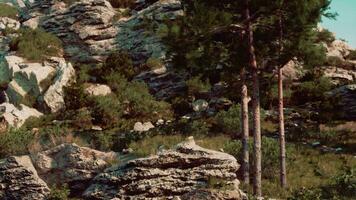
(8, 11)
(107, 110)
(270, 154)
(154, 63)
(325, 36)
(139, 103)
(118, 62)
(15, 142)
(335, 61)
(150, 145)
(196, 85)
(198, 128)
(230, 121)
(36, 45)
(311, 91)
(59, 193)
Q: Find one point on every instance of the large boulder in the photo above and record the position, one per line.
(169, 174)
(54, 96)
(36, 83)
(84, 26)
(19, 180)
(16, 117)
(346, 96)
(71, 164)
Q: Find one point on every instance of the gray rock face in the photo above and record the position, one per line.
(169, 174)
(19, 180)
(31, 83)
(144, 44)
(71, 164)
(16, 117)
(65, 76)
(85, 26)
(339, 74)
(347, 100)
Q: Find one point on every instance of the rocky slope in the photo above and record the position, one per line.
(181, 172)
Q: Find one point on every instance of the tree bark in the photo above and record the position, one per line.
(282, 143)
(283, 173)
(257, 189)
(244, 128)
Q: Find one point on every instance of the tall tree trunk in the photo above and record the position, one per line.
(257, 190)
(282, 143)
(244, 128)
(283, 173)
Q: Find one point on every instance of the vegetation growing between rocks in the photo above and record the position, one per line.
(8, 11)
(36, 45)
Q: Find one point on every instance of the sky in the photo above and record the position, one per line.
(345, 24)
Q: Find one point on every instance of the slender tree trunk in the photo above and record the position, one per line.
(283, 173)
(257, 190)
(282, 143)
(244, 128)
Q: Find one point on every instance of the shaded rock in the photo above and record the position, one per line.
(98, 90)
(16, 117)
(71, 164)
(346, 96)
(169, 174)
(143, 127)
(19, 180)
(54, 96)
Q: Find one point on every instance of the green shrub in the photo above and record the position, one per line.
(82, 119)
(270, 154)
(15, 142)
(335, 61)
(107, 110)
(196, 85)
(59, 193)
(346, 182)
(36, 45)
(118, 62)
(198, 128)
(311, 91)
(151, 145)
(139, 103)
(306, 194)
(230, 121)
(8, 11)
(154, 63)
(325, 36)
